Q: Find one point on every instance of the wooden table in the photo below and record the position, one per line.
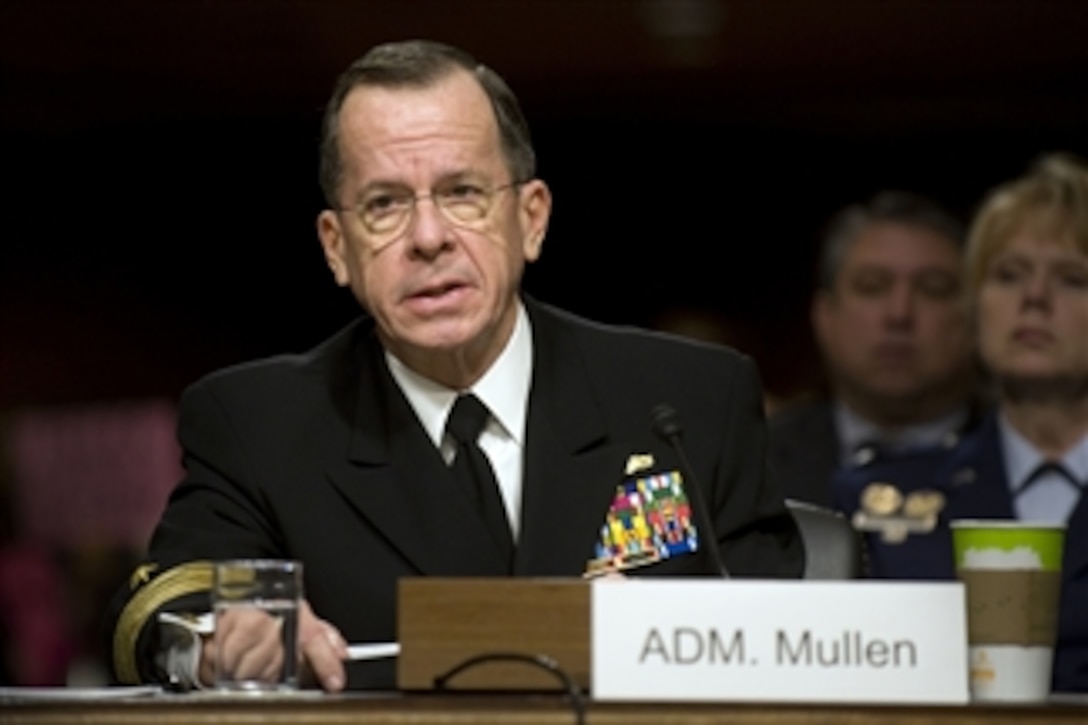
(508, 709)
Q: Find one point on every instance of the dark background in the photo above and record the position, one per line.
(159, 159)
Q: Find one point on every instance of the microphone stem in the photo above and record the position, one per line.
(699, 504)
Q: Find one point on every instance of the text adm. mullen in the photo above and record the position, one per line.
(781, 648)
(895, 642)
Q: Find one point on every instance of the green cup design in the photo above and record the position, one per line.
(1000, 544)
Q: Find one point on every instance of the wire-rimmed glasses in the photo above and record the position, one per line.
(386, 213)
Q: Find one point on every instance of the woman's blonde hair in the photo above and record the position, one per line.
(1051, 201)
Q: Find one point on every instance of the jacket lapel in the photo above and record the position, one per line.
(571, 465)
(977, 484)
(396, 480)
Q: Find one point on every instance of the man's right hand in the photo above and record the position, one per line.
(247, 645)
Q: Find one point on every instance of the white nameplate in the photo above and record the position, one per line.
(778, 641)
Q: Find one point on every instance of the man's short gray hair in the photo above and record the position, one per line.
(899, 207)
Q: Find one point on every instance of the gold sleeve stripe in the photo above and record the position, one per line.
(189, 578)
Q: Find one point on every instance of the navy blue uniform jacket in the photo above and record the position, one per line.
(319, 457)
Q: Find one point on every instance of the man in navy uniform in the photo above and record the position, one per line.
(342, 457)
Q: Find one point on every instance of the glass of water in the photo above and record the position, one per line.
(257, 600)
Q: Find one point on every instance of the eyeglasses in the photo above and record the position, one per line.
(386, 214)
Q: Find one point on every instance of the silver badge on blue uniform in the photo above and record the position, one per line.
(887, 511)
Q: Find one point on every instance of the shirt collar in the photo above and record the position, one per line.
(855, 431)
(1022, 458)
(504, 388)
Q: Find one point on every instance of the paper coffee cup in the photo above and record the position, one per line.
(1011, 571)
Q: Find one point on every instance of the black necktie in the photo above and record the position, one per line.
(474, 473)
(1049, 467)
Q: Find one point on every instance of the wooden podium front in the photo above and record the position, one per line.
(444, 622)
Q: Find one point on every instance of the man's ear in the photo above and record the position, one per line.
(334, 244)
(535, 211)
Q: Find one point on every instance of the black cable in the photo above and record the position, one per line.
(542, 661)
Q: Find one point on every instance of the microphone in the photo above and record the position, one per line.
(666, 423)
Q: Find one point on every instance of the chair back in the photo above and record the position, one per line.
(833, 548)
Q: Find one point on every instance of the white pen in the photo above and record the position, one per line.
(373, 650)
